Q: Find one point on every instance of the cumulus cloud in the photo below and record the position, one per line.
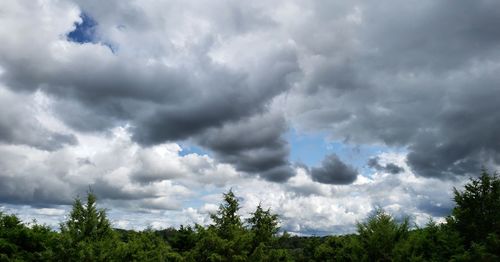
(19, 124)
(334, 171)
(388, 167)
(117, 169)
(164, 89)
(254, 145)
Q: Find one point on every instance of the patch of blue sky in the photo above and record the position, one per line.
(307, 148)
(311, 148)
(86, 32)
(190, 148)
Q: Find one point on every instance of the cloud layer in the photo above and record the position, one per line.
(106, 94)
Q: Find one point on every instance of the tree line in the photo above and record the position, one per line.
(471, 233)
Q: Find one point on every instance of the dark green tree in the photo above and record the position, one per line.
(476, 215)
(145, 246)
(263, 225)
(226, 239)
(379, 235)
(22, 242)
(87, 234)
(227, 222)
(338, 248)
(182, 239)
(477, 211)
(86, 222)
(434, 242)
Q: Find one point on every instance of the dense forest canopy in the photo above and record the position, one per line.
(471, 233)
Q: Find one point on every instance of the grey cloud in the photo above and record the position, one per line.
(22, 191)
(24, 182)
(334, 171)
(106, 190)
(235, 96)
(389, 167)
(18, 125)
(434, 209)
(393, 169)
(253, 145)
(96, 90)
(31, 177)
(418, 75)
(441, 35)
(161, 91)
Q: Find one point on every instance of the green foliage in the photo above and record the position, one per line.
(226, 239)
(181, 240)
(476, 216)
(211, 246)
(145, 246)
(477, 212)
(87, 234)
(338, 248)
(226, 221)
(263, 226)
(379, 235)
(431, 243)
(86, 222)
(20, 242)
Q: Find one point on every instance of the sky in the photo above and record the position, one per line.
(322, 111)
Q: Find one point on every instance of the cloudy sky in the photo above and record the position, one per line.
(321, 110)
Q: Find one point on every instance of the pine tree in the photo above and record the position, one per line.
(227, 221)
(86, 222)
(476, 215)
(263, 225)
(87, 234)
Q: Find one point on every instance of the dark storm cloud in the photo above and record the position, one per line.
(420, 75)
(253, 145)
(389, 167)
(228, 103)
(334, 171)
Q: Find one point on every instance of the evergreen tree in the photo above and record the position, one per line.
(379, 235)
(87, 234)
(476, 215)
(226, 239)
(86, 222)
(227, 221)
(263, 226)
